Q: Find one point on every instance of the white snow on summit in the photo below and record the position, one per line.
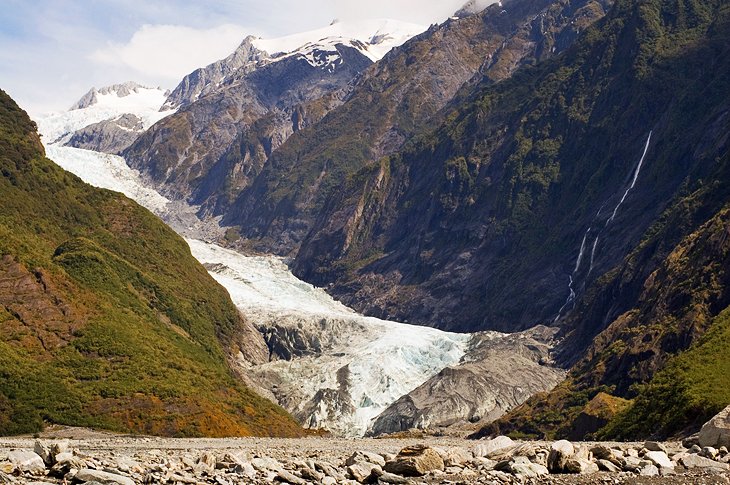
(374, 38)
(104, 104)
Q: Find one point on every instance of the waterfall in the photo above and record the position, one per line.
(633, 182)
(574, 275)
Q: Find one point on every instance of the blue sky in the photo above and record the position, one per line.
(53, 51)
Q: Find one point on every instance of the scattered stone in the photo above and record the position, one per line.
(44, 451)
(581, 466)
(361, 472)
(386, 477)
(522, 466)
(560, 452)
(709, 452)
(415, 461)
(490, 446)
(457, 457)
(608, 466)
(285, 476)
(655, 446)
(696, 461)
(716, 432)
(649, 471)
(88, 475)
(659, 458)
(329, 481)
(266, 464)
(365, 457)
(27, 462)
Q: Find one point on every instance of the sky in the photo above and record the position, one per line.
(54, 51)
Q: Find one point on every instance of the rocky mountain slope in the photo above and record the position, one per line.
(388, 105)
(107, 319)
(668, 291)
(237, 111)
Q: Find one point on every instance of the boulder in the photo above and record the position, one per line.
(44, 451)
(87, 475)
(608, 466)
(381, 476)
(581, 466)
(360, 472)
(522, 466)
(649, 471)
(415, 461)
(659, 458)
(655, 446)
(709, 452)
(457, 457)
(560, 452)
(495, 444)
(285, 476)
(365, 457)
(696, 461)
(716, 432)
(27, 462)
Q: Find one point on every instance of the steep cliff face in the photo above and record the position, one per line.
(534, 186)
(391, 102)
(107, 319)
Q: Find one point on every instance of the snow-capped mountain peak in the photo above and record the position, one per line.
(374, 37)
(102, 104)
(123, 90)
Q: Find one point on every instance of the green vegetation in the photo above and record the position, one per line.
(693, 387)
(107, 319)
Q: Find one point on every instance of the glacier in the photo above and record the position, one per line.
(366, 362)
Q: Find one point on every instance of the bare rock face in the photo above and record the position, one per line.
(716, 432)
(108, 136)
(415, 461)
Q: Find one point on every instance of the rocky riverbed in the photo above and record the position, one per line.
(81, 456)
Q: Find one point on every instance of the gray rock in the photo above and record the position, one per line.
(522, 466)
(580, 466)
(695, 449)
(608, 466)
(495, 444)
(655, 446)
(560, 452)
(361, 472)
(649, 471)
(329, 481)
(365, 457)
(44, 451)
(696, 461)
(285, 476)
(245, 470)
(88, 475)
(632, 464)
(709, 452)
(386, 477)
(265, 464)
(716, 432)
(415, 461)
(457, 457)
(27, 462)
(659, 458)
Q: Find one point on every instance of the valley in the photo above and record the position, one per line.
(492, 249)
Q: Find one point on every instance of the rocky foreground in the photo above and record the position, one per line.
(83, 457)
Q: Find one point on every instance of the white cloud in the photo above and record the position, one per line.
(168, 52)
